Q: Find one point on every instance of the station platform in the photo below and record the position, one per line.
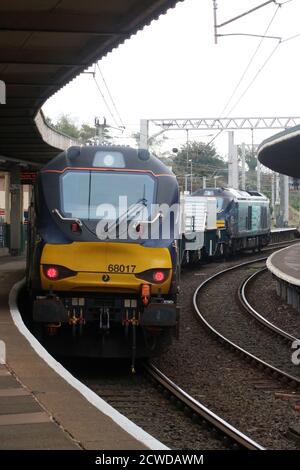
(285, 266)
(24, 423)
(42, 406)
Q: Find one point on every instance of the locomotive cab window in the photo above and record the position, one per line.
(219, 204)
(84, 192)
(222, 204)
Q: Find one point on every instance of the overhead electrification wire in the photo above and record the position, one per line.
(105, 102)
(290, 38)
(110, 96)
(255, 76)
(283, 3)
(246, 70)
(250, 62)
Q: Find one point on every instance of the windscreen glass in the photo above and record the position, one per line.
(85, 194)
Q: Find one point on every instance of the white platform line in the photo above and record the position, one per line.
(131, 428)
(277, 272)
(2, 352)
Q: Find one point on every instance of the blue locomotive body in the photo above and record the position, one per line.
(243, 219)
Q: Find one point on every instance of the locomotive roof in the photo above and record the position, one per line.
(230, 193)
(108, 157)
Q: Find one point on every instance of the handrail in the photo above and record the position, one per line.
(66, 219)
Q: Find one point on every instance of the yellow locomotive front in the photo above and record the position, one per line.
(105, 267)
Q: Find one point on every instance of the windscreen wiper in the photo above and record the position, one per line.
(134, 209)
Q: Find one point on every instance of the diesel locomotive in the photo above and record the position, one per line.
(243, 219)
(102, 272)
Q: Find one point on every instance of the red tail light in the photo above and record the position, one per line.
(55, 272)
(52, 273)
(158, 276)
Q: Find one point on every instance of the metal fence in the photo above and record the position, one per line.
(3, 237)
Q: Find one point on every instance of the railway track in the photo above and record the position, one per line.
(282, 244)
(199, 411)
(164, 409)
(223, 337)
(279, 245)
(153, 412)
(142, 399)
(258, 316)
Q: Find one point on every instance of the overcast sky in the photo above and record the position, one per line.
(173, 69)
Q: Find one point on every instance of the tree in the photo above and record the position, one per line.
(200, 160)
(66, 125)
(204, 158)
(154, 143)
(87, 132)
(84, 134)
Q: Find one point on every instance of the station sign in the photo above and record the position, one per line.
(28, 177)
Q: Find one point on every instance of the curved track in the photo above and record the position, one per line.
(259, 317)
(255, 359)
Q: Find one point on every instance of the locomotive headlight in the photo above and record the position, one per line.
(108, 160)
(104, 158)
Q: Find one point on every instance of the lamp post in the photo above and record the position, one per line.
(187, 148)
(191, 162)
(185, 182)
(215, 179)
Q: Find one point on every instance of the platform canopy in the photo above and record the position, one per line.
(44, 44)
(281, 152)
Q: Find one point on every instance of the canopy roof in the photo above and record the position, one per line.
(281, 152)
(45, 44)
